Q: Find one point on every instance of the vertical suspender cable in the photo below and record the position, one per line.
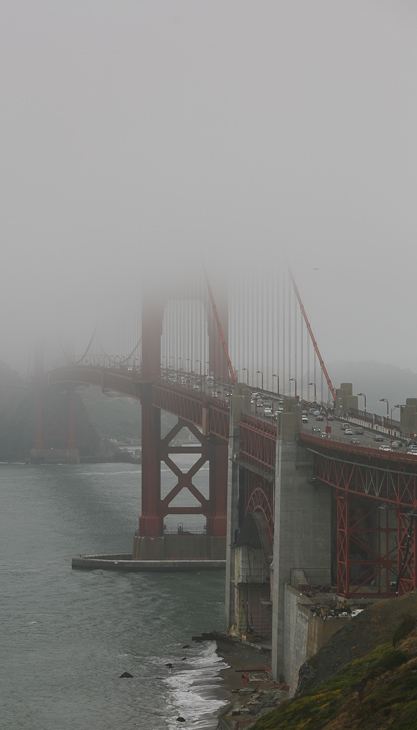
(284, 383)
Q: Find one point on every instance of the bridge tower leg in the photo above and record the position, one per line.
(217, 522)
(366, 547)
(72, 439)
(54, 420)
(407, 552)
(150, 521)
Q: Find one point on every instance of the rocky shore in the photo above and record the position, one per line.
(252, 690)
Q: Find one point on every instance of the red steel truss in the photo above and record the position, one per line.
(366, 472)
(212, 506)
(259, 495)
(407, 551)
(367, 556)
(186, 406)
(258, 443)
(376, 510)
(200, 410)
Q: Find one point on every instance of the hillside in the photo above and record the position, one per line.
(364, 677)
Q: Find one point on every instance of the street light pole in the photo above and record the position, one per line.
(262, 378)
(295, 385)
(277, 377)
(364, 397)
(247, 373)
(315, 392)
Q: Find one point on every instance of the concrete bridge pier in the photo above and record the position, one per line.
(302, 535)
(239, 400)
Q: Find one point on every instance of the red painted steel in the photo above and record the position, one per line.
(386, 482)
(385, 476)
(216, 519)
(174, 400)
(151, 519)
(343, 553)
(366, 548)
(407, 552)
(219, 328)
(259, 495)
(258, 443)
(219, 421)
(310, 331)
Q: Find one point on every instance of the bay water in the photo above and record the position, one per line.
(67, 635)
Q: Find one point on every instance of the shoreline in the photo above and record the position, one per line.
(251, 688)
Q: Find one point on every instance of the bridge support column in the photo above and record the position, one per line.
(38, 438)
(302, 538)
(151, 521)
(407, 552)
(55, 421)
(366, 547)
(72, 440)
(217, 522)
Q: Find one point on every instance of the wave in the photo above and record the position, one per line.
(195, 688)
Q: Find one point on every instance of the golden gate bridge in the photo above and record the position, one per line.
(206, 355)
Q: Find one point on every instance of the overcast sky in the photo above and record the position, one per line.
(135, 132)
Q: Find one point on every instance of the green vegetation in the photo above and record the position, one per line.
(405, 628)
(375, 691)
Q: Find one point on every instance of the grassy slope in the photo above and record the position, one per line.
(376, 690)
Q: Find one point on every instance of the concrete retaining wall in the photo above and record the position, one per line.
(179, 547)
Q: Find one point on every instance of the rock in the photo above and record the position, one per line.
(180, 719)
(186, 646)
(126, 675)
(169, 665)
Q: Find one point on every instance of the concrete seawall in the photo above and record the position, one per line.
(125, 562)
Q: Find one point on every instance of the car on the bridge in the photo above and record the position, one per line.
(348, 432)
(354, 441)
(319, 418)
(304, 419)
(358, 431)
(330, 417)
(345, 425)
(268, 413)
(316, 429)
(385, 447)
(378, 438)
(396, 445)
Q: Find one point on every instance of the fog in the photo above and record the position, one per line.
(138, 135)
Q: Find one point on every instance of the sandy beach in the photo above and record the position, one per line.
(252, 691)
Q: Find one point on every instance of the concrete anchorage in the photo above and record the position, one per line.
(302, 539)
